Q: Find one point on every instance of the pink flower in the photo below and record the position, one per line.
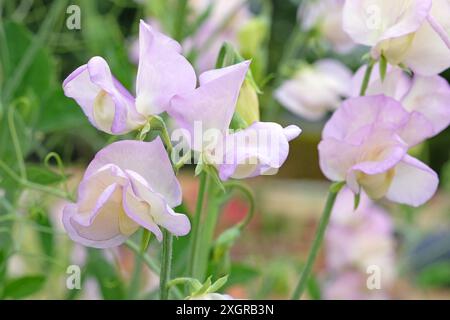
(365, 143)
(428, 95)
(128, 184)
(357, 240)
(263, 146)
(315, 89)
(326, 16)
(162, 73)
(412, 32)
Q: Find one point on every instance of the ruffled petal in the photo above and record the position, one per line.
(148, 159)
(431, 97)
(414, 183)
(369, 22)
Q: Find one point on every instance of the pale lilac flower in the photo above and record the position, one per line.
(351, 285)
(413, 32)
(162, 73)
(128, 184)
(314, 90)
(365, 143)
(360, 238)
(326, 16)
(212, 105)
(357, 240)
(428, 95)
(216, 30)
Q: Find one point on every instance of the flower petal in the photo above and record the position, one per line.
(107, 104)
(104, 232)
(428, 54)
(414, 183)
(430, 96)
(163, 72)
(336, 157)
(369, 22)
(214, 102)
(260, 149)
(148, 159)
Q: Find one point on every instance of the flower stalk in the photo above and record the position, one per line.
(332, 194)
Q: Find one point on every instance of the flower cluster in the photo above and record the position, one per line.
(131, 184)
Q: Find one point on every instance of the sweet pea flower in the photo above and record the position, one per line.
(212, 33)
(128, 184)
(315, 90)
(413, 32)
(259, 149)
(428, 95)
(365, 143)
(162, 73)
(357, 239)
(326, 16)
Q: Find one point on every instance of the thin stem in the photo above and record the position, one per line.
(31, 185)
(251, 199)
(149, 262)
(194, 243)
(366, 79)
(332, 193)
(166, 264)
(16, 143)
(180, 19)
(47, 27)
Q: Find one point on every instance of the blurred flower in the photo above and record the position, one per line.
(127, 185)
(356, 240)
(226, 19)
(351, 285)
(223, 24)
(162, 73)
(315, 89)
(365, 143)
(212, 105)
(429, 95)
(415, 33)
(326, 17)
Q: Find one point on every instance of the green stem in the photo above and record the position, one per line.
(334, 189)
(215, 201)
(16, 143)
(194, 242)
(166, 261)
(47, 27)
(55, 192)
(366, 79)
(180, 19)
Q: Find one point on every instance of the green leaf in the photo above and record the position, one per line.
(435, 275)
(313, 288)
(241, 273)
(42, 175)
(106, 275)
(23, 287)
(219, 283)
(145, 240)
(46, 237)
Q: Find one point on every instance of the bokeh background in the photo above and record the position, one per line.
(38, 50)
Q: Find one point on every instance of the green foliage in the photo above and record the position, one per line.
(23, 287)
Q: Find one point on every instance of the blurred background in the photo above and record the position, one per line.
(41, 42)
